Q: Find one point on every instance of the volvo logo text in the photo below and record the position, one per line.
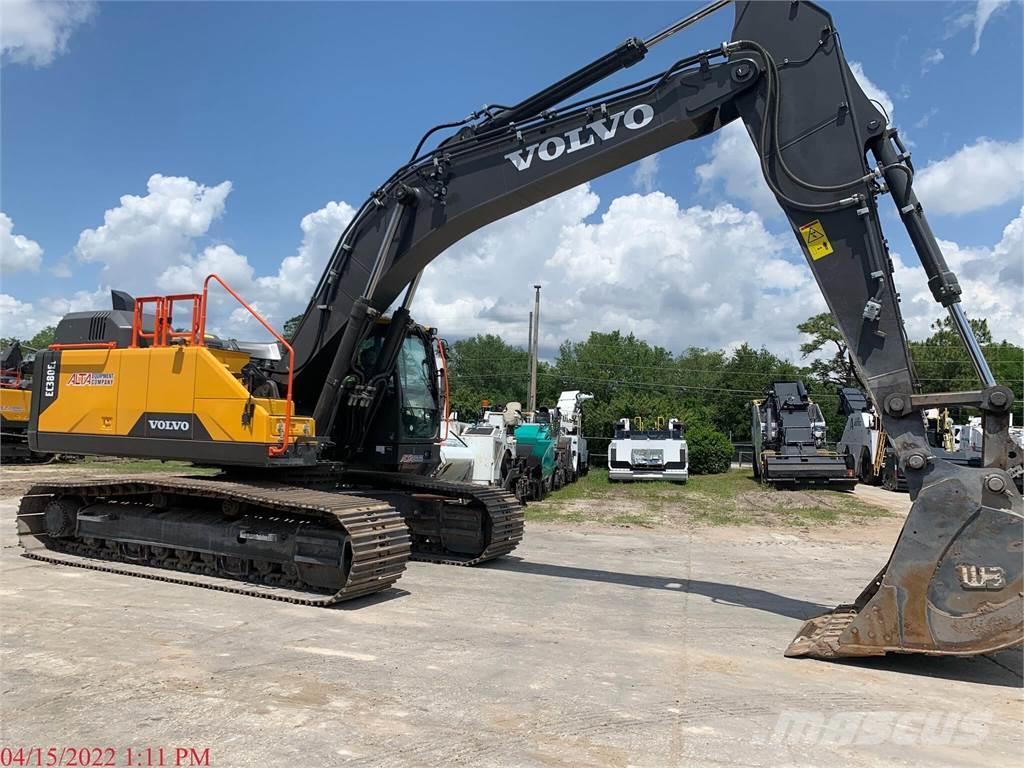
(169, 426)
(549, 149)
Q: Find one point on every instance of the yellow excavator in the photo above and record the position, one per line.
(326, 440)
(15, 405)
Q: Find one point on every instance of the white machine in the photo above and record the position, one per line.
(484, 453)
(456, 455)
(655, 454)
(570, 410)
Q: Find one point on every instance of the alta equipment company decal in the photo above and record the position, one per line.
(89, 379)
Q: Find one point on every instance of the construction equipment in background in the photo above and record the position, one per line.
(15, 405)
(660, 453)
(570, 413)
(788, 432)
(456, 463)
(321, 478)
(491, 446)
(969, 437)
(536, 445)
(864, 444)
(502, 448)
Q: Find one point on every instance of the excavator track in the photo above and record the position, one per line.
(374, 542)
(503, 524)
(488, 525)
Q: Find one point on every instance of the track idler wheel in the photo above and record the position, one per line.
(953, 584)
(62, 516)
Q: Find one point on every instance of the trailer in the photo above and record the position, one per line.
(655, 454)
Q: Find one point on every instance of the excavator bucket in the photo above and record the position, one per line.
(953, 584)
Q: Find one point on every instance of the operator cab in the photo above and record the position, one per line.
(405, 429)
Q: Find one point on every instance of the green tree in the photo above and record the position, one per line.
(628, 377)
(486, 368)
(43, 338)
(834, 371)
(746, 374)
(291, 325)
(941, 362)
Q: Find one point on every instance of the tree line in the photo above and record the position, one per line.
(706, 388)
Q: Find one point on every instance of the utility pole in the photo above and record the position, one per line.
(529, 358)
(531, 405)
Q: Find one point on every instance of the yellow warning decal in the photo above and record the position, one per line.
(816, 240)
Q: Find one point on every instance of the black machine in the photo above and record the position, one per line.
(953, 584)
(788, 433)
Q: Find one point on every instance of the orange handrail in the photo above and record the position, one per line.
(157, 336)
(274, 450)
(85, 345)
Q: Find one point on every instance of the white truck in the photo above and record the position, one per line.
(654, 454)
(570, 411)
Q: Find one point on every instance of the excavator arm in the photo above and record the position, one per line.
(953, 583)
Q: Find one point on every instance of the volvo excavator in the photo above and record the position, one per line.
(326, 442)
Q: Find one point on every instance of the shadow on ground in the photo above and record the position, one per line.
(730, 594)
(1002, 668)
(999, 669)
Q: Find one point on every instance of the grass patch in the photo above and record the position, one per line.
(540, 513)
(731, 498)
(142, 465)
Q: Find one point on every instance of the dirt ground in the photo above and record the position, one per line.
(594, 644)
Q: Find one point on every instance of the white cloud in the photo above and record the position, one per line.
(17, 252)
(872, 91)
(734, 167)
(983, 12)
(646, 266)
(482, 284)
(992, 280)
(681, 277)
(151, 243)
(980, 175)
(24, 319)
(645, 176)
(145, 232)
(931, 58)
(17, 318)
(297, 276)
(35, 32)
(704, 275)
(926, 118)
(277, 297)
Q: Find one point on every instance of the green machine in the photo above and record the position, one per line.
(536, 444)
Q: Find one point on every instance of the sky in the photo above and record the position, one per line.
(145, 145)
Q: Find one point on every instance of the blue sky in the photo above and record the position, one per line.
(301, 104)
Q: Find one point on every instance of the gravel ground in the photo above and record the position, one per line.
(591, 646)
